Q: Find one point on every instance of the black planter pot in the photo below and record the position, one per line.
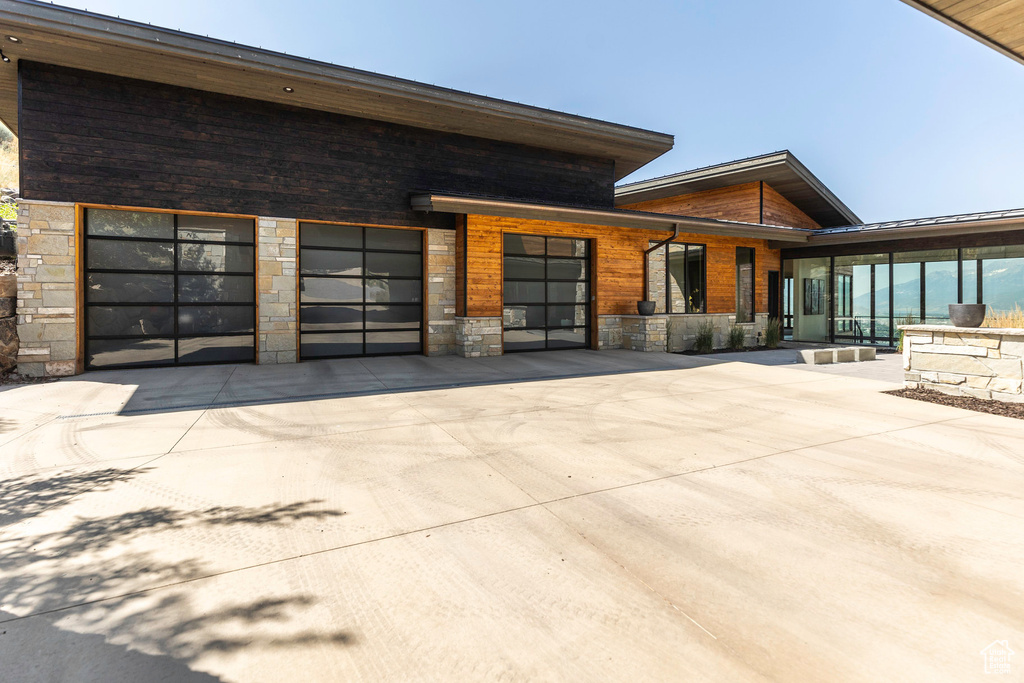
(646, 307)
(967, 315)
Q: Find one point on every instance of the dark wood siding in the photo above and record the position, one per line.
(90, 137)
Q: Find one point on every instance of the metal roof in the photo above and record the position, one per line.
(85, 40)
(781, 170)
(957, 219)
(570, 213)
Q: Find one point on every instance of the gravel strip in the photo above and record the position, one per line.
(978, 405)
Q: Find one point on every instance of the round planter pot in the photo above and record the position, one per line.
(646, 307)
(967, 315)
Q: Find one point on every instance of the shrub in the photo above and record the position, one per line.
(773, 333)
(1014, 318)
(705, 339)
(737, 336)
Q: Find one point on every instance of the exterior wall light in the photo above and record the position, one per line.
(288, 89)
(4, 57)
(14, 39)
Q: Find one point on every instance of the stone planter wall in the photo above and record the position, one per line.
(682, 329)
(478, 337)
(979, 362)
(648, 333)
(8, 323)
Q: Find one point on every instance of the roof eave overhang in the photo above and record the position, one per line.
(907, 233)
(480, 206)
(967, 30)
(79, 39)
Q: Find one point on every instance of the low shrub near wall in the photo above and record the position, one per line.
(1014, 318)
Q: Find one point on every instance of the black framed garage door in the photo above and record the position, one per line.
(547, 293)
(168, 289)
(360, 291)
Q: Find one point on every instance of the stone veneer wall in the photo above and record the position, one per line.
(609, 332)
(440, 292)
(46, 289)
(656, 278)
(478, 336)
(277, 292)
(8, 323)
(645, 333)
(682, 329)
(980, 362)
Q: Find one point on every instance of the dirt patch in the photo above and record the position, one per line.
(978, 405)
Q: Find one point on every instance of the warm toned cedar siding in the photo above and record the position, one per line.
(734, 203)
(618, 258)
(780, 211)
(89, 137)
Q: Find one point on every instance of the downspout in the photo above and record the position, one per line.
(647, 261)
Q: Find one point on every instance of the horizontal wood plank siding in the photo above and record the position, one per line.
(777, 210)
(734, 203)
(90, 137)
(618, 259)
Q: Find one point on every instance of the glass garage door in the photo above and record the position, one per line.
(168, 289)
(547, 293)
(360, 291)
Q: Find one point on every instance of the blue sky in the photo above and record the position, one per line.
(898, 114)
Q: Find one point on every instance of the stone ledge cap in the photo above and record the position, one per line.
(1006, 331)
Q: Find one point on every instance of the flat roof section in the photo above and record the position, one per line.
(85, 40)
(782, 170)
(566, 213)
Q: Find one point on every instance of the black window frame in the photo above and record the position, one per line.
(362, 303)
(669, 307)
(752, 313)
(547, 303)
(174, 241)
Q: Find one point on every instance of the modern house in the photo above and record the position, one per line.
(187, 200)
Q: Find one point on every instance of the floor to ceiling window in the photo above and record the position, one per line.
(686, 272)
(744, 284)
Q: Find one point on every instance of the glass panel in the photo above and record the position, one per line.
(394, 240)
(744, 284)
(215, 319)
(392, 342)
(129, 287)
(129, 223)
(524, 268)
(940, 290)
(215, 229)
(108, 352)
(524, 245)
(216, 350)
(694, 291)
(331, 317)
(970, 281)
(125, 321)
(567, 269)
(560, 339)
(567, 292)
(564, 247)
(125, 255)
(316, 289)
(524, 316)
(906, 290)
(567, 316)
(317, 262)
(1002, 276)
(394, 291)
(379, 317)
(883, 330)
(524, 292)
(856, 297)
(215, 288)
(340, 236)
(216, 258)
(810, 299)
(394, 265)
(327, 345)
(522, 340)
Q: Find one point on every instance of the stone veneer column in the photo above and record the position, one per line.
(478, 336)
(46, 289)
(440, 292)
(278, 297)
(648, 333)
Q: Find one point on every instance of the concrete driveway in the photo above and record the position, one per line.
(562, 516)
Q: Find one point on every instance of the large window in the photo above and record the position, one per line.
(994, 276)
(360, 291)
(861, 286)
(744, 284)
(167, 289)
(686, 273)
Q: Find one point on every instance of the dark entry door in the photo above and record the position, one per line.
(360, 291)
(547, 293)
(774, 290)
(168, 289)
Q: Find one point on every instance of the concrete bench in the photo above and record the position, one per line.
(846, 354)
